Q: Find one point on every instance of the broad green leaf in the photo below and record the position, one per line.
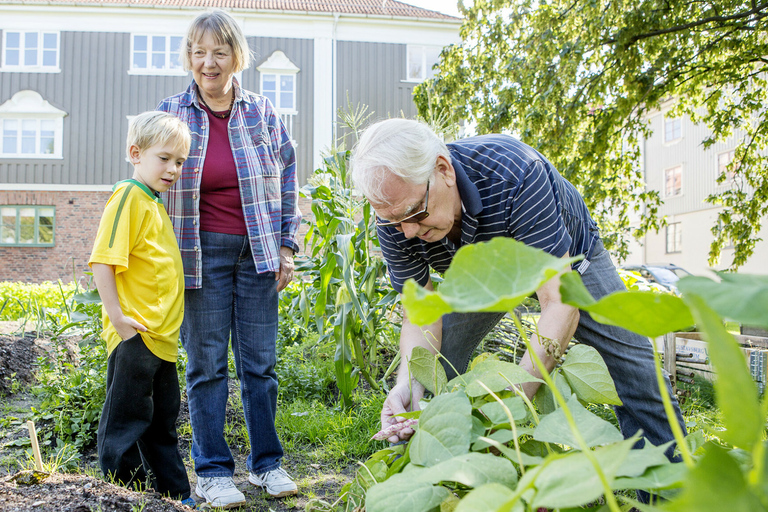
(588, 376)
(739, 297)
(484, 498)
(695, 441)
(488, 276)
(471, 470)
(639, 460)
(444, 430)
(498, 416)
(545, 399)
(666, 476)
(427, 369)
(646, 313)
(502, 436)
(716, 484)
(735, 389)
(554, 428)
(404, 495)
(89, 297)
(571, 480)
(496, 375)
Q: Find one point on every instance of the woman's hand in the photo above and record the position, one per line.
(285, 275)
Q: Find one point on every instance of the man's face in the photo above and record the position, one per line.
(403, 199)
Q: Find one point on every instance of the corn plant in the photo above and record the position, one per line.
(482, 445)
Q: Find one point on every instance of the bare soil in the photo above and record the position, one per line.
(83, 492)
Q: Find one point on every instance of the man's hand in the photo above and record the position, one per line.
(398, 401)
(285, 275)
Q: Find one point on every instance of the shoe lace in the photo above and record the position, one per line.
(222, 483)
(275, 474)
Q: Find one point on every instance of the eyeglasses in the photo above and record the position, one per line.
(411, 219)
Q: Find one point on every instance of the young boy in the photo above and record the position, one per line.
(138, 271)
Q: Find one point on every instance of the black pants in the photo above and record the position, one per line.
(137, 430)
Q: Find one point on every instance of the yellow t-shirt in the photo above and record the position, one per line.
(136, 236)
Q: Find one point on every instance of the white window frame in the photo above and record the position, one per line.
(420, 50)
(165, 71)
(675, 231)
(280, 65)
(675, 121)
(721, 166)
(666, 172)
(29, 105)
(38, 68)
(17, 228)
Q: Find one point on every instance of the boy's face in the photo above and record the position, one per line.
(158, 167)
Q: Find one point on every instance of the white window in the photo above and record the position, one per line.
(673, 181)
(673, 129)
(30, 127)
(421, 59)
(278, 82)
(674, 237)
(27, 225)
(723, 161)
(31, 51)
(156, 55)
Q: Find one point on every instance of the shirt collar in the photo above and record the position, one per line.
(192, 96)
(153, 195)
(470, 197)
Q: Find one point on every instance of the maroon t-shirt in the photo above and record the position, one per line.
(220, 208)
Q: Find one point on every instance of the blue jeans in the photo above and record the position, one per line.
(628, 356)
(237, 303)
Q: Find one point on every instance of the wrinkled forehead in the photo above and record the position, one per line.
(399, 198)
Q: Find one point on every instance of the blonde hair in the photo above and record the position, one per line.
(157, 128)
(224, 30)
(403, 147)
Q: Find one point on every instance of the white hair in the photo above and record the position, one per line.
(403, 147)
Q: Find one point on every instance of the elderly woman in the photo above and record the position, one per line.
(234, 211)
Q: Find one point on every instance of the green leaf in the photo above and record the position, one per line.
(545, 399)
(444, 430)
(639, 460)
(484, 498)
(502, 436)
(471, 470)
(554, 428)
(588, 376)
(739, 297)
(716, 484)
(498, 416)
(496, 375)
(403, 495)
(89, 297)
(646, 313)
(735, 389)
(571, 480)
(426, 368)
(488, 276)
(667, 476)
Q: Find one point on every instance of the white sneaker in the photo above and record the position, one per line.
(219, 491)
(277, 482)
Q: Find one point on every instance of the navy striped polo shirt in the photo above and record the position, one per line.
(507, 189)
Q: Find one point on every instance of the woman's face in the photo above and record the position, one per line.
(213, 66)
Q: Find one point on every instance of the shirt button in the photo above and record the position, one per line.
(194, 223)
(196, 249)
(196, 169)
(199, 147)
(202, 127)
(194, 196)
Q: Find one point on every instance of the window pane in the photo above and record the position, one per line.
(139, 43)
(158, 43)
(286, 83)
(415, 71)
(30, 40)
(139, 60)
(49, 41)
(47, 135)
(432, 56)
(10, 136)
(30, 57)
(271, 96)
(286, 100)
(176, 52)
(28, 136)
(45, 226)
(27, 226)
(12, 57)
(158, 60)
(49, 58)
(268, 83)
(8, 234)
(13, 39)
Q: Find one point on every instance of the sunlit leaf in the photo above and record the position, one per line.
(588, 376)
(554, 427)
(495, 375)
(739, 297)
(427, 369)
(404, 495)
(444, 430)
(484, 498)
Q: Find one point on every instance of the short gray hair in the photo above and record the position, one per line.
(157, 128)
(403, 147)
(224, 30)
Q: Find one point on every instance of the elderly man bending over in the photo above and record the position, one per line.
(432, 198)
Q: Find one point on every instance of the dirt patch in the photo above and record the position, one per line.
(17, 361)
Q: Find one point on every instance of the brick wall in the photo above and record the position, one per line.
(77, 219)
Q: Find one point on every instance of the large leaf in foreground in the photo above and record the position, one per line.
(588, 376)
(735, 389)
(445, 428)
(494, 374)
(404, 495)
(426, 368)
(595, 431)
(646, 313)
(739, 297)
(485, 498)
(489, 276)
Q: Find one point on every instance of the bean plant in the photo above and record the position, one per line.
(482, 446)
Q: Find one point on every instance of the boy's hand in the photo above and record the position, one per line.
(127, 327)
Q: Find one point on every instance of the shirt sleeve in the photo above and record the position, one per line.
(533, 214)
(119, 229)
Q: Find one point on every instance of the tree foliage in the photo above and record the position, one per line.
(577, 79)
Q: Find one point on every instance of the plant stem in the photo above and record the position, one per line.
(511, 424)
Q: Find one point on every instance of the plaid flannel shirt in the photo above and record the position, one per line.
(266, 169)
